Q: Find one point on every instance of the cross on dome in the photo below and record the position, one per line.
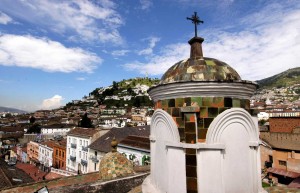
(195, 20)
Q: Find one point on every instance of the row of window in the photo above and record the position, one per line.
(60, 153)
(81, 142)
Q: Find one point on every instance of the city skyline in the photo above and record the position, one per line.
(52, 52)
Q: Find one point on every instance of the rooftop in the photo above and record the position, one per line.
(82, 132)
(103, 143)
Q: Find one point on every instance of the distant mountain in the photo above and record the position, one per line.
(11, 110)
(284, 79)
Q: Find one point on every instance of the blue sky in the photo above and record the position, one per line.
(54, 51)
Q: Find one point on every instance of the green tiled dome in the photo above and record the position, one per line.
(114, 165)
(200, 69)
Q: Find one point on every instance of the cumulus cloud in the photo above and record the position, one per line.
(44, 54)
(159, 63)
(52, 103)
(5, 19)
(268, 44)
(80, 78)
(119, 52)
(152, 43)
(146, 4)
(84, 18)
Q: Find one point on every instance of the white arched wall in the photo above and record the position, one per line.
(167, 163)
(237, 167)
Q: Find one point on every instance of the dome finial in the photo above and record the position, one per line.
(196, 21)
(114, 144)
(195, 42)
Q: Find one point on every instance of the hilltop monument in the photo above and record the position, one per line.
(203, 137)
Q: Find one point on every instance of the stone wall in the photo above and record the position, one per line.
(282, 140)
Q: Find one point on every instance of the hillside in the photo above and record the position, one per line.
(284, 79)
(126, 93)
(11, 110)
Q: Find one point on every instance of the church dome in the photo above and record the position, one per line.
(200, 69)
(114, 165)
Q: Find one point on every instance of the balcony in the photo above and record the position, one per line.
(72, 158)
(73, 145)
(83, 162)
(86, 149)
(94, 158)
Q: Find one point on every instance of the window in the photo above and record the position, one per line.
(282, 163)
(95, 166)
(62, 164)
(80, 142)
(57, 152)
(79, 154)
(63, 154)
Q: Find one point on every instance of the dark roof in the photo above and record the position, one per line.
(63, 126)
(82, 132)
(103, 143)
(11, 129)
(136, 142)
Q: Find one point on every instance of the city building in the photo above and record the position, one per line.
(103, 144)
(33, 153)
(59, 154)
(78, 140)
(46, 155)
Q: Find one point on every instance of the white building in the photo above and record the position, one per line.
(56, 129)
(45, 155)
(78, 140)
(136, 149)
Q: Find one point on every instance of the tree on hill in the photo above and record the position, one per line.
(85, 122)
(35, 128)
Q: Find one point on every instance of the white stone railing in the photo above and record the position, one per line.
(63, 172)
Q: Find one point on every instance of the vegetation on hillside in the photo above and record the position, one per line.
(124, 88)
(284, 79)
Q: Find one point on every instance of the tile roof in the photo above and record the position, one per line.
(136, 142)
(103, 143)
(48, 144)
(82, 132)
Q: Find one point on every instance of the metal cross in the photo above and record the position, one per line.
(195, 20)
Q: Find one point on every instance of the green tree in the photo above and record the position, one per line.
(85, 122)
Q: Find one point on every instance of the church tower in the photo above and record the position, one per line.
(203, 138)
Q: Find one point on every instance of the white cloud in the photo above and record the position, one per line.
(146, 4)
(52, 103)
(119, 52)
(44, 54)
(158, 64)
(80, 78)
(152, 43)
(5, 19)
(269, 44)
(83, 18)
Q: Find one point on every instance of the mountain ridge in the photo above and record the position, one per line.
(284, 79)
